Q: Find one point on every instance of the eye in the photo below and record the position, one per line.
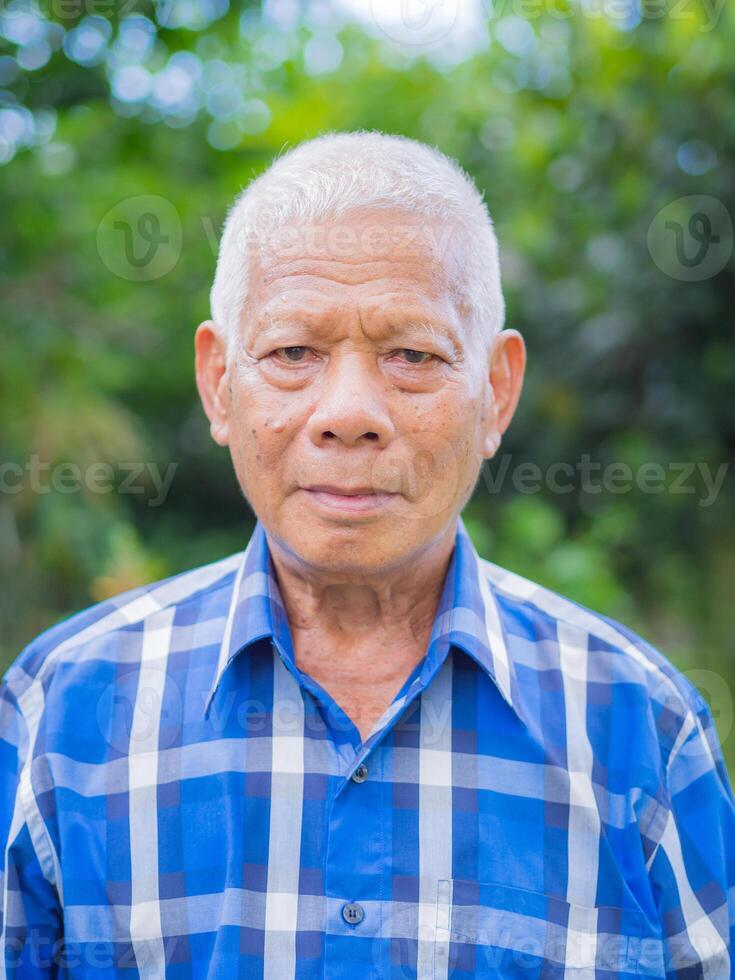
(416, 356)
(292, 354)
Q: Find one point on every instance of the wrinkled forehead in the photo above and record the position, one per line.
(413, 253)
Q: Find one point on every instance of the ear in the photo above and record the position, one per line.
(507, 363)
(211, 375)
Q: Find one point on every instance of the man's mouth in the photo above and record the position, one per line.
(354, 499)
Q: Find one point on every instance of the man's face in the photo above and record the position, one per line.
(354, 369)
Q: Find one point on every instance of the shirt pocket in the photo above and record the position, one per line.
(487, 929)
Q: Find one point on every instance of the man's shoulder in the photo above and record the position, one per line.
(104, 623)
(628, 657)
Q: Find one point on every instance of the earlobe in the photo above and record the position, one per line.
(219, 433)
(492, 443)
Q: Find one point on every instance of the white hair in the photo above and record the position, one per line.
(326, 177)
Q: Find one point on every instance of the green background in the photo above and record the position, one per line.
(580, 129)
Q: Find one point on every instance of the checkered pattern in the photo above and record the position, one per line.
(545, 797)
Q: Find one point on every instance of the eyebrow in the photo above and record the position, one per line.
(443, 335)
(438, 333)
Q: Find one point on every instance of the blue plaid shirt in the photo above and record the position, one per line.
(545, 797)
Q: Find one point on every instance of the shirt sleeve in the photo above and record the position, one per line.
(692, 869)
(30, 927)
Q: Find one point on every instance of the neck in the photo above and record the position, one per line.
(357, 606)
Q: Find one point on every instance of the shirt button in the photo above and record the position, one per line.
(360, 774)
(353, 913)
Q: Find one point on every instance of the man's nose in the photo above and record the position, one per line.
(351, 403)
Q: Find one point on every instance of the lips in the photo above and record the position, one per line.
(345, 491)
(348, 500)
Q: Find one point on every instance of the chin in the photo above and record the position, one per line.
(341, 545)
(344, 547)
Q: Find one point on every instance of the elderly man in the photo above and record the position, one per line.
(355, 749)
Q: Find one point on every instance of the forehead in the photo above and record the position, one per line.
(380, 258)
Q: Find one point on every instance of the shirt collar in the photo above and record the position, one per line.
(468, 615)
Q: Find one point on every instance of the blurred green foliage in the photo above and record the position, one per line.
(578, 129)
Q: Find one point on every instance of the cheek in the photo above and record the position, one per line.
(263, 426)
(458, 426)
(456, 416)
